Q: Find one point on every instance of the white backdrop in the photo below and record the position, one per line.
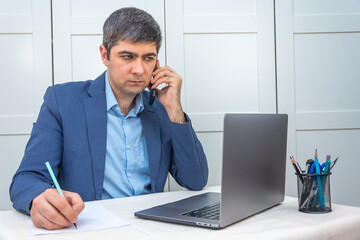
(26, 72)
(318, 76)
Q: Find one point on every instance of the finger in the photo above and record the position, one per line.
(47, 214)
(41, 221)
(167, 80)
(162, 69)
(63, 206)
(55, 220)
(166, 71)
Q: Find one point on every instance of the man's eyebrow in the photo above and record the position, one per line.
(127, 52)
(136, 55)
(150, 54)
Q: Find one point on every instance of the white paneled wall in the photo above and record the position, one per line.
(221, 65)
(25, 66)
(78, 35)
(226, 55)
(318, 73)
(213, 144)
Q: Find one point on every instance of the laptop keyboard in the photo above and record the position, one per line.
(208, 212)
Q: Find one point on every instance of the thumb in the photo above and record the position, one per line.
(75, 201)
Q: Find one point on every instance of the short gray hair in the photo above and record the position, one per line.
(130, 24)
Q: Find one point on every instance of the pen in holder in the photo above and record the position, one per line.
(314, 192)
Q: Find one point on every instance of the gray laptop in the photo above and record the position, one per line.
(253, 175)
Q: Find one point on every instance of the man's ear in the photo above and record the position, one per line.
(103, 53)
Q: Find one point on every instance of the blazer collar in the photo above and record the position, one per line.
(97, 87)
(152, 132)
(96, 123)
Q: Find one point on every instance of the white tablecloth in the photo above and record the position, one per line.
(281, 222)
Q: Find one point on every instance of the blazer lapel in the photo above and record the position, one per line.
(96, 122)
(151, 129)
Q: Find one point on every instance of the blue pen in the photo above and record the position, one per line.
(56, 182)
(324, 166)
(321, 195)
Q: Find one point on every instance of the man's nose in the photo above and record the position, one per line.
(138, 67)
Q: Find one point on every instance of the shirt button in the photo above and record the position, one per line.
(117, 108)
(128, 146)
(129, 174)
(125, 120)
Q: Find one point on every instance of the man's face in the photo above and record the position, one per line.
(130, 67)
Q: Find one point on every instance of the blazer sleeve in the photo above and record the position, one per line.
(189, 165)
(45, 144)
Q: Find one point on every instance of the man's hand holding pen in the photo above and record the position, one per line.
(52, 211)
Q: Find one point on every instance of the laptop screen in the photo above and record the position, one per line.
(254, 162)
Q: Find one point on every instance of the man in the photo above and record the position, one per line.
(103, 138)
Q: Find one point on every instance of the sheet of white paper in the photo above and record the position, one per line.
(95, 216)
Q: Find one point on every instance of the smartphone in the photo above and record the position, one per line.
(152, 91)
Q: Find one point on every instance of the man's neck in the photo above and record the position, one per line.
(126, 104)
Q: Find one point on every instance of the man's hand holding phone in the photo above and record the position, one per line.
(169, 96)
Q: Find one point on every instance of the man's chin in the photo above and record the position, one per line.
(136, 90)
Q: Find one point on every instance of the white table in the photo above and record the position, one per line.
(281, 222)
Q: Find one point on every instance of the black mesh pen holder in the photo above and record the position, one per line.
(314, 192)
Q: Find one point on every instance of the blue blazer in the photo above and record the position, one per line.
(70, 133)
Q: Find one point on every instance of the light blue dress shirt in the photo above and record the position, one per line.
(126, 163)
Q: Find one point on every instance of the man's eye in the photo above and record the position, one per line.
(127, 57)
(149, 58)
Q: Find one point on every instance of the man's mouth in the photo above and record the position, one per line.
(135, 82)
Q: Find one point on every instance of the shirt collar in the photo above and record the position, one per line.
(111, 100)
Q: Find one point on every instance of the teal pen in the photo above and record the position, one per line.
(327, 166)
(326, 170)
(321, 195)
(56, 182)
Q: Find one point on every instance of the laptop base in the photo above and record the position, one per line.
(173, 212)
